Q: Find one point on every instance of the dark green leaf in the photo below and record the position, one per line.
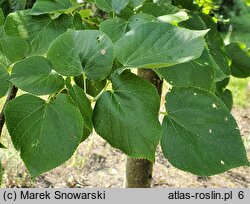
(135, 3)
(39, 31)
(214, 42)
(12, 49)
(139, 19)
(4, 81)
(114, 28)
(200, 21)
(54, 6)
(240, 57)
(158, 9)
(1, 17)
(1, 23)
(46, 133)
(197, 72)
(188, 4)
(8, 55)
(227, 97)
(5, 6)
(199, 133)
(111, 5)
(78, 52)
(35, 75)
(221, 85)
(83, 103)
(126, 13)
(127, 116)
(157, 45)
(221, 63)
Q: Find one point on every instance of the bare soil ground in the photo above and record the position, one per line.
(97, 164)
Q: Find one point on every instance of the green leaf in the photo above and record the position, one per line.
(200, 21)
(35, 75)
(221, 63)
(1, 23)
(83, 103)
(157, 45)
(46, 133)
(114, 28)
(78, 52)
(173, 18)
(126, 13)
(240, 57)
(214, 42)
(12, 49)
(5, 6)
(158, 9)
(127, 116)
(188, 4)
(9, 54)
(139, 19)
(224, 94)
(4, 83)
(117, 27)
(47, 6)
(92, 88)
(135, 3)
(39, 31)
(1, 17)
(227, 97)
(111, 5)
(199, 133)
(197, 72)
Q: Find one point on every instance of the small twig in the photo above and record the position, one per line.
(12, 94)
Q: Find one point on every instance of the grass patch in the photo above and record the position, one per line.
(241, 91)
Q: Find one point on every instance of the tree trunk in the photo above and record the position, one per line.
(139, 171)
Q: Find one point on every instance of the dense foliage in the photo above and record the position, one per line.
(75, 66)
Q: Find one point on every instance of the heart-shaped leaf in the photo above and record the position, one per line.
(114, 28)
(12, 49)
(111, 5)
(199, 133)
(197, 72)
(39, 31)
(214, 42)
(127, 116)
(54, 6)
(158, 9)
(138, 19)
(87, 52)
(46, 133)
(157, 45)
(240, 56)
(35, 75)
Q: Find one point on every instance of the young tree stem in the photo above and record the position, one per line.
(139, 171)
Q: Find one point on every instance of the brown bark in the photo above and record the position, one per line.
(139, 171)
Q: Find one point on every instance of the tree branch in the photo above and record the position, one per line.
(12, 94)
